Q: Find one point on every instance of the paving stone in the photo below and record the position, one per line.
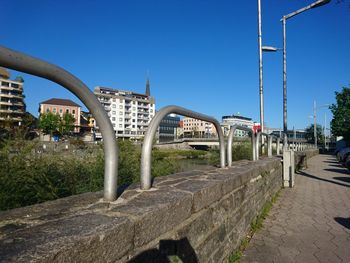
(308, 222)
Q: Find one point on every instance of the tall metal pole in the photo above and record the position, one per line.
(261, 91)
(285, 128)
(315, 130)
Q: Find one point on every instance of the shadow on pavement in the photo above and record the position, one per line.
(344, 179)
(341, 170)
(345, 222)
(180, 248)
(331, 162)
(336, 165)
(322, 179)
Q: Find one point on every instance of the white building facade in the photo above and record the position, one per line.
(228, 121)
(198, 128)
(12, 106)
(129, 112)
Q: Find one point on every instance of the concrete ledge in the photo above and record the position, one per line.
(198, 216)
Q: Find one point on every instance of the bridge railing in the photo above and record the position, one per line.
(230, 140)
(269, 144)
(146, 155)
(27, 64)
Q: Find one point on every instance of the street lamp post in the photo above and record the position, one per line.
(315, 125)
(283, 20)
(315, 129)
(261, 91)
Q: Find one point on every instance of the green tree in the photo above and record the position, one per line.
(309, 135)
(66, 123)
(340, 124)
(49, 123)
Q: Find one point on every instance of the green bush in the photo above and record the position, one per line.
(28, 176)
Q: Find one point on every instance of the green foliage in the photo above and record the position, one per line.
(28, 176)
(66, 124)
(310, 136)
(129, 162)
(242, 150)
(340, 123)
(49, 122)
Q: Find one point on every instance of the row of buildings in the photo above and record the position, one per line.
(130, 113)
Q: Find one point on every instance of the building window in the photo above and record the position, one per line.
(113, 118)
(120, 119)
(113, 106)
(133, 126)
(73, 112)
(133, 108)
(134, 114)
(120, 113)
(121, 101)
(120, 126)
(67, 110)
(114, 100)
(61, 111)
(5, 84)
(113, 112)
(54, 110)
(47, 110)
(120, 106)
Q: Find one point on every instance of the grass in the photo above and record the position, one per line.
(255, 226)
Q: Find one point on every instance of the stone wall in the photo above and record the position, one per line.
(198, 216)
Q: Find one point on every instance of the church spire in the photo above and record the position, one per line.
(148, 88)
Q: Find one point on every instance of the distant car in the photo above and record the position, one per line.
(347, 162)
(343, 154)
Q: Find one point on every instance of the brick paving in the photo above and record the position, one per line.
(309, 223)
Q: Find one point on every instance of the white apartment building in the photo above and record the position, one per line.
(12, 106)
(129, 112)
(228, 121)
(198, 128)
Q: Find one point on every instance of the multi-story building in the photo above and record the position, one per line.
(129, 112)
(61, 106)
(168, 128)
(278, 132)
(230, 120)
(12, 106)
(198, 128)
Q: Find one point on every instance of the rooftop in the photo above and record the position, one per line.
(62, 102)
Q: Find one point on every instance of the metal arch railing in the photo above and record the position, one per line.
(230, 140)
(27, 64)
(146, 157)
(269, 144)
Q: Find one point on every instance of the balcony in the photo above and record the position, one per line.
(9, 95)
(11, 88)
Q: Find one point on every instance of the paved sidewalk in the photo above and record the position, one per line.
(309, 223)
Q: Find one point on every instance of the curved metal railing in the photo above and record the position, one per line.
(146, 157)
(27, 64)
(230, 140)
(269, 144)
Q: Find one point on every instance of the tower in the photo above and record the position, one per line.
(148, 88)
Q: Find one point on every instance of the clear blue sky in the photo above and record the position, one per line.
(202, 55)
